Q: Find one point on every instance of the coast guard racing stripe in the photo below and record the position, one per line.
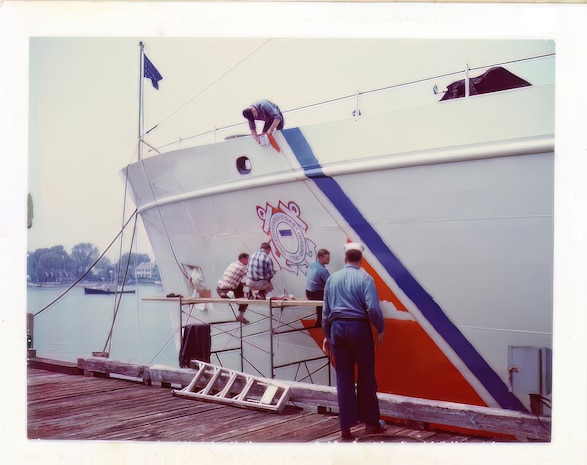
(409, 285)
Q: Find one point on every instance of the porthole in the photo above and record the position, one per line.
(243, 165)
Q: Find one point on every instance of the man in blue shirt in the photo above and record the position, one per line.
(316, 280)
(351, 305)
(266, 111)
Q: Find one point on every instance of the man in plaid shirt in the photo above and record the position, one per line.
(231, 284)
(261, 270)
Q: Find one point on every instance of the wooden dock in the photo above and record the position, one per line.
(66, 405)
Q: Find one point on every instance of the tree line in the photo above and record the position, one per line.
(56, 265)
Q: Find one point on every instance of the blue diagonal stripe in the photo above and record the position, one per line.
(404, 279)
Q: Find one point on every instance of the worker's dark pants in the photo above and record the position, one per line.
(268, 124)
(316, 295)
(352, 344)
(239, 293)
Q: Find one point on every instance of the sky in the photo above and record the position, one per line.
(68, 125)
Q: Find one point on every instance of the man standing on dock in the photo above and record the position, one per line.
(316, 280)
(261, 271)
(231, 285)
(351, 305)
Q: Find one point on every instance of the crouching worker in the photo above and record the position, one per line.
(231, 284)
(265, 111)
(261, 271)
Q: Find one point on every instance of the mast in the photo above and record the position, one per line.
(141, 91)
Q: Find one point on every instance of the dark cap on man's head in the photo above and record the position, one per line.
(248, 113)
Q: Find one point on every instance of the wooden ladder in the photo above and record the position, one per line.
(218, 384)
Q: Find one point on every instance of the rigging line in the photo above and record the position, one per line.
(454, 73)
(134, 229)
(114, 303)
(358, 94)
(416, 81)
(137, 299)
(158, 208)
(214, 82)
(83, 275)
(164, 346)
(118, 295)
(517, 60)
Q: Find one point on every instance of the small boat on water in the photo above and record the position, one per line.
(107, 289)
(452, 197)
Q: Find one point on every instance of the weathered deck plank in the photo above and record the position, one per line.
(72, 407)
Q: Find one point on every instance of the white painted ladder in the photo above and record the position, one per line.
(218, 384)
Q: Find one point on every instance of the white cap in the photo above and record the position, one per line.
(354, 246)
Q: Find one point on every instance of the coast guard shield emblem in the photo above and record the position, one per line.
(290, 247)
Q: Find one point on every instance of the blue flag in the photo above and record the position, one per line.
(150, 72)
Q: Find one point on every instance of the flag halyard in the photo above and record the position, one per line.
(150, 72)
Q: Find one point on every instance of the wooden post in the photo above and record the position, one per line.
(30, 329)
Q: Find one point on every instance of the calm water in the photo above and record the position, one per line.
(79, 324)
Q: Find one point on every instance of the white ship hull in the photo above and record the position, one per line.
(457, 220)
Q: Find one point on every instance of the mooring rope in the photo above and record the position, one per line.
(84, 274)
